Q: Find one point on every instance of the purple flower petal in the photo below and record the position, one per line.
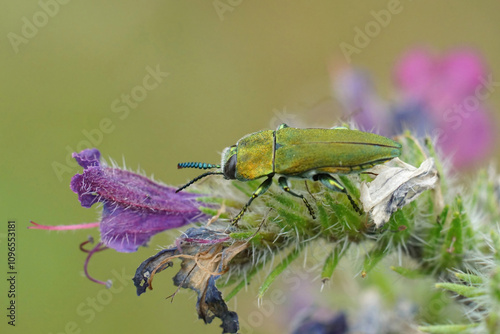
(354, 89)
(469, 140)
(125, 229)
(86, 196)
(461, 73)
(414, 73)
(439, 81)
(446, 88)
(135, 208)
(87, 158)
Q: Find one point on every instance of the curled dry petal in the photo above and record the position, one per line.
(394, 187)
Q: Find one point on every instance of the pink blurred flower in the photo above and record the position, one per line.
(440, 96)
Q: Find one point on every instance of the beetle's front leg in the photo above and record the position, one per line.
(283, 182)
(331, 183)
(260, 190)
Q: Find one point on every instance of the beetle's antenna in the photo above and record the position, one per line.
(199, 165)
(198, 178)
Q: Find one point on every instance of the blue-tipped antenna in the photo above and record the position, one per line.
(199, 165)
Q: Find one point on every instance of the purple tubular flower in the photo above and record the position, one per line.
(134, 207)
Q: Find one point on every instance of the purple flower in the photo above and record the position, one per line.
(440, 96)
(355, 91)
(134, 207)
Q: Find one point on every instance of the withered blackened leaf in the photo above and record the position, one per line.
(203, 235)
(143, 273)
(213, 298)
(205, 256)
(210, 304)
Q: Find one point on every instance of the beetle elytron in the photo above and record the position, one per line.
(312, 154)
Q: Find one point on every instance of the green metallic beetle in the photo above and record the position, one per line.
(312, 154)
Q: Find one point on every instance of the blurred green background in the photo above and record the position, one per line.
(232, 71)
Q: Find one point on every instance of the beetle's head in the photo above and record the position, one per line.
(229, 162)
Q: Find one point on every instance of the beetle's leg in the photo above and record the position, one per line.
(260, 190)
(331, 183)
(283, 182)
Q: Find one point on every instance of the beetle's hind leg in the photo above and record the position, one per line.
(283, 182)
(331, 183)
(260, 190)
